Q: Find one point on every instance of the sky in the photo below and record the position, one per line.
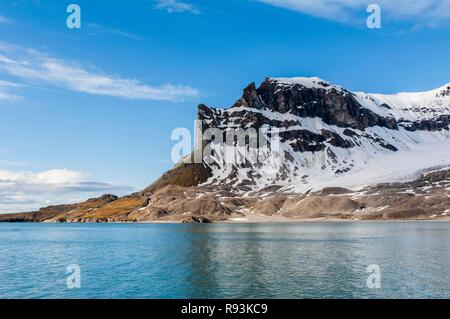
(90, 111)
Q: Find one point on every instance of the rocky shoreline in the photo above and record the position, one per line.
(425, 198)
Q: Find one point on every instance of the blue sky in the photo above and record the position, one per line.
(91, 110)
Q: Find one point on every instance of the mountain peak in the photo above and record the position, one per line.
(307, 82)
(250, 98)
(327, 132)
(443, 91)
(313, 98)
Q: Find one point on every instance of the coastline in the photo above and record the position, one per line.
(260, 220)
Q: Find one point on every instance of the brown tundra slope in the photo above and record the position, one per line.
(424, 198)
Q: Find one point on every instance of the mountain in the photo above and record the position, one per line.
(329, 153)
(333, 137)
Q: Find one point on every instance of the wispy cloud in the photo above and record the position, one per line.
(12, 163)
(98, 29)
(5, 91)
(40, 69)
(5, 20)
(177, 6)
(22, 191)
(417, 12)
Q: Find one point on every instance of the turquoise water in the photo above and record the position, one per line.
(310, 260)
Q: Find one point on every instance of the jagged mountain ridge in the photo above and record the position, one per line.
(347, 155)
(334, 137)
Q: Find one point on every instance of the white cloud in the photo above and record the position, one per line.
(40, 69)
(24, 191)
(12, 163)
(5, 91)
(177, 6)
(417, 12)
(4, 20)
(98, 29)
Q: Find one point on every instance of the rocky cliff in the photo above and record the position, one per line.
(345, 155)
(333, 137)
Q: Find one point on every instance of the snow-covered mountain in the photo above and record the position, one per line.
(346, 155)
(331, 136)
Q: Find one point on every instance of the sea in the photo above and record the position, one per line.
(226, 260)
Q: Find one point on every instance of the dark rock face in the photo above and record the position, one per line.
(332, 106)
(303, 140)
(306, 141)
(196, 220)
(251, 98)
(440, 123)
